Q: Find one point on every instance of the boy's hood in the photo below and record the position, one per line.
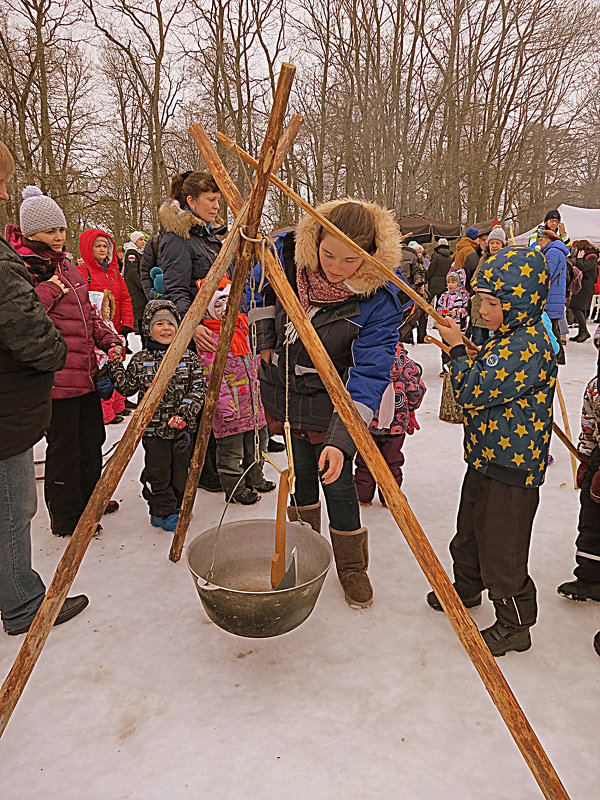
(151, 308)
(556, 245)
(519, 278)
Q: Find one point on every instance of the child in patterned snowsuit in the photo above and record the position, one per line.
(167, 442)
(454, 303)
(393, 420)
(587, 572)
(506, 390)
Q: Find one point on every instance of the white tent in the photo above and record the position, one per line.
(581, 223)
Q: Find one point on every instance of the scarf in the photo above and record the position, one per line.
(45, 261)
(314, 291)
(239, 341)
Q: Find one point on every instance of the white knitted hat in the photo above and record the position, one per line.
(39, 212)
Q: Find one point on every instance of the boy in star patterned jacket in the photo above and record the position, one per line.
(506, 390)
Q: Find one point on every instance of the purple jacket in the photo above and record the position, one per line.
(234, 412)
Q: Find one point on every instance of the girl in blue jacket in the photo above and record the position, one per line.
(356, 314)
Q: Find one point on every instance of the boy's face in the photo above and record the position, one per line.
(452, 284)
(220, 307)
(163, 331)
(491, 311)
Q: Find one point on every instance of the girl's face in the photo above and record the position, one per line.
(141, 242)
(163, 331)
(452, 284)
(338, 262)
(53, 238)
(205, 205)
(100, 248)
(220, 307)
(494, 245)
(491, 310)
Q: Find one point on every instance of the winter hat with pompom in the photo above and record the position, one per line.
(39, 212)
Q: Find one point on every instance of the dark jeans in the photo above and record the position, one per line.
(340, 496)
(21, 588)
(491, 547)
(560, 356)
(165, 472)
(73, 458)
(588, 540)
(235, 454)
(390, 446)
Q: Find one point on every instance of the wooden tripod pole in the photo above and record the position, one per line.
(563, 411)
(390, 275)
(237, 288)
(15, 682)
(463, 625)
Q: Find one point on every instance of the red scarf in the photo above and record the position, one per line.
(315, 290)
(239, 341)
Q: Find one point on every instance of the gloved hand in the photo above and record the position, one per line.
(116, 352)
(177, 422)
(582, 470)
(413, 425)
(104, 385)
(595, 487)
(126, 330)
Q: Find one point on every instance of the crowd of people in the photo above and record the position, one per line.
(66, 373)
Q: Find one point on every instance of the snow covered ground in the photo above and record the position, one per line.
(141, 696)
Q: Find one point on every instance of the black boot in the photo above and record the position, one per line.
(580, 590)
(275, 447)
(71, 607)
(597, 643)
(502, 640)
(468, 602)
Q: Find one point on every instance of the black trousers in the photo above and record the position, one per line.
(491, 547)
(560, 356)
(235, 455)
(73, 458)
(580, 318)
(588, 540)
(166, 465)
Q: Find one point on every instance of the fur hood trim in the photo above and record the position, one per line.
(388, 240)
(177, 220)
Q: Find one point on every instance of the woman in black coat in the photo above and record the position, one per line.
(438, 269)
(587, 262)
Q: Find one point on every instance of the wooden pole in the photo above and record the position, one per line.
(216, 375)
(573, 452)
(390, 275)
(467, 632)
(15, 682)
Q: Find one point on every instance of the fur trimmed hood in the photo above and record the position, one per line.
(177, 220)
(388, 241)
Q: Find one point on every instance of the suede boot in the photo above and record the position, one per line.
(310, 514)
(351, 552)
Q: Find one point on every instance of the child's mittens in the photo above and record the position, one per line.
(116, 352)
(582, 470)
(595, 487)
(177, 422)
(413, 425)
(104, 385)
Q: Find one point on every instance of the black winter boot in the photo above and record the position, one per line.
(502, 640)
(468, 602)
(580, 590)
(310, 514)
(70, 608)
(351, 551)
(597, 643)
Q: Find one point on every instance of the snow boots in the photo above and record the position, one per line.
(468, 602)
(310, 514)
(502, 640)
(351, 552)
(580, 590)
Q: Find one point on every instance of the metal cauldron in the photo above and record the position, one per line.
(239, 597)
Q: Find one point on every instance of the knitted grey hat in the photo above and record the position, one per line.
(39, 212)
(498, 233)
(163, 314)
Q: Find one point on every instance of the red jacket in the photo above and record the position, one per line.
(74, 318)
(98, 279)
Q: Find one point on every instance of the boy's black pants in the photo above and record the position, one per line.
(491, 547)
(165, 472)
(588, 540)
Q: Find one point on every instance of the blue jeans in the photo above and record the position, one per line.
(21, 588)
(340, 496)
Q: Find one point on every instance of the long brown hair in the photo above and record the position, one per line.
(191, 184)
(356, 222)
(583, 244)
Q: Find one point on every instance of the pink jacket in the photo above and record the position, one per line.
(234, 412)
